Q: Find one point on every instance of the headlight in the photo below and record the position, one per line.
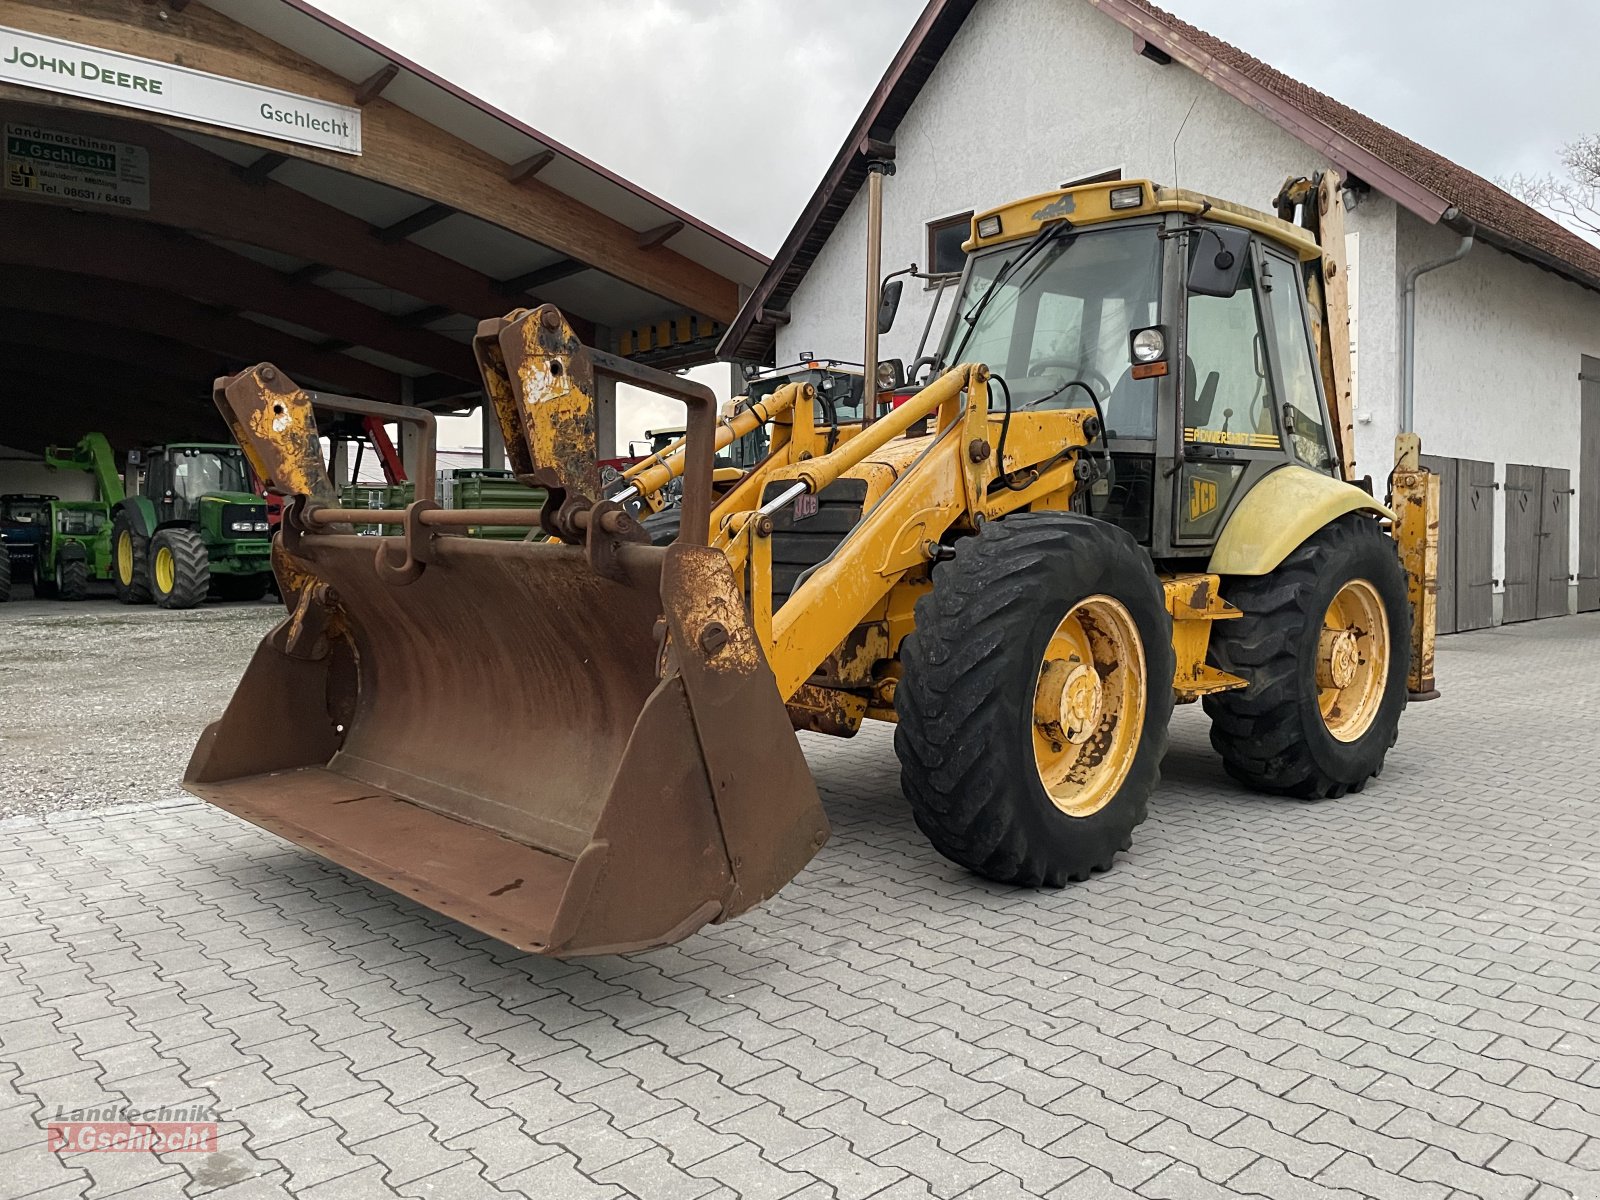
(240, 526)
(263, 527)
(989, 227)
(1127, 197)
(1149, 345)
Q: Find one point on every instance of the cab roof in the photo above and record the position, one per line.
(1091, 204)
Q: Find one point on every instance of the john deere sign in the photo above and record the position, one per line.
(95, 74)
(52, 164)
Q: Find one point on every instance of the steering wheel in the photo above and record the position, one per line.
(1040, 365)
(1101, 385)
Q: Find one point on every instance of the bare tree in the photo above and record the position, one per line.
(1572, 198)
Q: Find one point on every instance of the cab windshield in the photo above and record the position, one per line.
(1058, 327)
(198, 472)
(24, 510)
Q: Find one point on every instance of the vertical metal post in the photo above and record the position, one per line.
(880, 162)
(494, 446)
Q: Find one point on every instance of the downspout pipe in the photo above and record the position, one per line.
(1408, 334)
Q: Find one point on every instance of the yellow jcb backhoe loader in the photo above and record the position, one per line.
(1134, 490)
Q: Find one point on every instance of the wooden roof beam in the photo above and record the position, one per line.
(370, 88)
(531, 281)
(423, 218)
(261, 170)
(111, 247)
(208, 198)
(165, 314)
(649, 239)
(521, 172)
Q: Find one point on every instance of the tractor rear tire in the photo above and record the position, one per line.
(180, 568)
(977, 734)
(130, 561)
(1289, 733)
(240, 587)
(72, 578)
(663, 526)
(5, 575)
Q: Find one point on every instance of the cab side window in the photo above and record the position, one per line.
(1297, 362)
(1228, 398)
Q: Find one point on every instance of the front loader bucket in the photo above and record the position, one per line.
(575, 762)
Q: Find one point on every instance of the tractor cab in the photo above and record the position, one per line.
(177, 478)
(194, 527)
(24, 529)
(838, 384)
(1180, 320)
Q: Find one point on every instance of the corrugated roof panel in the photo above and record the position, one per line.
(487, 249)
(375, 203)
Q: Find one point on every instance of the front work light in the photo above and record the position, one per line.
(1149, 345)
(1126, 197)
(989, 226)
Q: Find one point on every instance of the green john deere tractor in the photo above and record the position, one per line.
(193, 528)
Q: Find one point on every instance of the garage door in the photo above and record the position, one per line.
(1555, 541)
(1466, 542)
(1523, 485)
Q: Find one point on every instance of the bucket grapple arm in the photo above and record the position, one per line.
(575, 745)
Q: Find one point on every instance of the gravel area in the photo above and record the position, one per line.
(101, 703)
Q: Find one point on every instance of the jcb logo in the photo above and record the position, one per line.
(1202, 498)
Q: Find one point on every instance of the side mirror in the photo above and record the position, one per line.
(889, 304)
(891, 375)
(1218, 260)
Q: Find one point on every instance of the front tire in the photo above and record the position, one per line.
(180, 568)
(130, 561)
(1324, 642)
(1035, 698)
(5, 575)
(72, 578)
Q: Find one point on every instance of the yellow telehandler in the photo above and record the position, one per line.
(1127, 483)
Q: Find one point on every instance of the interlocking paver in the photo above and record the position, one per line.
(1390, 995)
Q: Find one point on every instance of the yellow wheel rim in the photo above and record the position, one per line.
(125, 557)
(1088, 706)
(166, 570)
(1353, 660)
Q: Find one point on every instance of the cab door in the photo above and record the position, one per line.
(1302, 408)
(1230, 430)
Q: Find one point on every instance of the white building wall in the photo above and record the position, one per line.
(21, 472)
(1031, 94)
(1498, 349)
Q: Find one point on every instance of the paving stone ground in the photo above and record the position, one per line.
(1390, 995)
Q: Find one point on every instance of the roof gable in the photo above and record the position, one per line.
(1425, 183)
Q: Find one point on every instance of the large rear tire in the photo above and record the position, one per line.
(1324, 642)
(180, 568)
(72, 578)
(1035, 698)
(130, 561)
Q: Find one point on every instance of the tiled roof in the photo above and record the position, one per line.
(1479, 200)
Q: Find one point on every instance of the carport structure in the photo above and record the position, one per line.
(191, 186)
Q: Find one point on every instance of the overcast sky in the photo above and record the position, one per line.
(732, 109)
